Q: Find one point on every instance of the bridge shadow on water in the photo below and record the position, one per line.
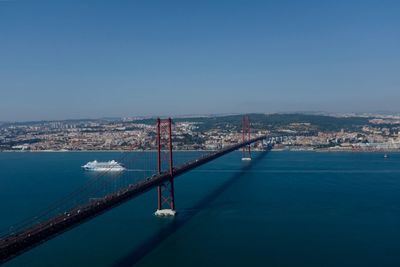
(162, 234)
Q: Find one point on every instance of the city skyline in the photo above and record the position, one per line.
(75, 59)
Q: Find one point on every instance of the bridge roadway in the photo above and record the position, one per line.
(15, 244)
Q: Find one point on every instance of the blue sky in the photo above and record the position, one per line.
(90, 59)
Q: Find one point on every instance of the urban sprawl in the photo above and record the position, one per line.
(290, 131)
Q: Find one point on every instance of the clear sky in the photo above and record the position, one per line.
(90, 59)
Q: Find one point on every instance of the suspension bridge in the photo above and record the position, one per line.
(92, 199)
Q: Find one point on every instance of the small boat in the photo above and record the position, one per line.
(111, 165)
(386, 156)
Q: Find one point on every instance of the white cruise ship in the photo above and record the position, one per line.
(111, 165)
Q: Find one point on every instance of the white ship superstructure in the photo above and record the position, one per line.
(111, 165)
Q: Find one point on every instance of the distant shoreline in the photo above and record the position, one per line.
(272, 150)
(85, 151)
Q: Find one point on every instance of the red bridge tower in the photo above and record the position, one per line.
(246, 150)
(166, 199)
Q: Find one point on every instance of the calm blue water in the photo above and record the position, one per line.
(282, 209)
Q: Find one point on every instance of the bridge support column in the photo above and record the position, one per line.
(246, 150)
(165, 191)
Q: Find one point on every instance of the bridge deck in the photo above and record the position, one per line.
(15, 244)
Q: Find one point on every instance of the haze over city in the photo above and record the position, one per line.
(85, 59)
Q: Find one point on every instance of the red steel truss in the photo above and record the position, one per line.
(165, 190)
(246, 151)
